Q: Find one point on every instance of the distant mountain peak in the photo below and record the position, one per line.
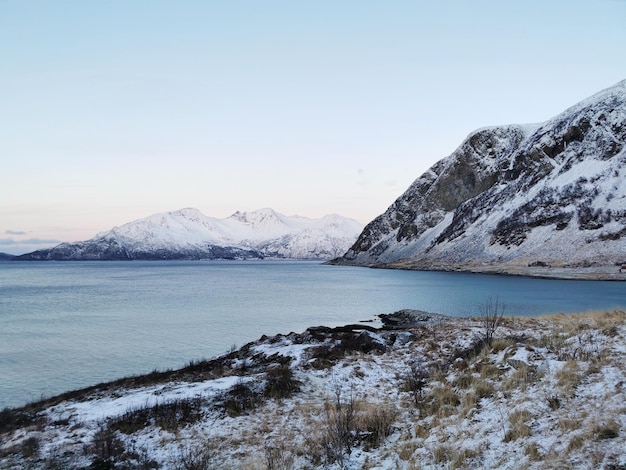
(189, 234)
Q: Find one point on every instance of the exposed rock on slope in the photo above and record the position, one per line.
(189, 234)
(514, 198)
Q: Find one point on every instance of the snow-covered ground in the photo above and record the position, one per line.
(546, 393)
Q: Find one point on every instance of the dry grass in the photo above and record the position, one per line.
(607, 430)
(532, 451)
(454, 457)
(568, 378)
(442, 401)
(523, 376)
(518, 426)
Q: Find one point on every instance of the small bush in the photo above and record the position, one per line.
(492, 312)
(240, 399)
(280, 382)
(169, 416)
(30, 447)
(106, 446)
(414, 380)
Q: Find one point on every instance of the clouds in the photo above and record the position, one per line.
(28, 241)
(17, 246)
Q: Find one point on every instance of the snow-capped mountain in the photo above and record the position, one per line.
(549, 195)
(189, 234)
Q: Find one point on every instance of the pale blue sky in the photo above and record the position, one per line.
(113, 110)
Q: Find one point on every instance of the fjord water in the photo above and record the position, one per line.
(65, 325)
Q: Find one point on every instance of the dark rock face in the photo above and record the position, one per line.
(111, 250)
(515, 194)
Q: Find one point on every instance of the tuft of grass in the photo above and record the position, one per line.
(608, 430)
(576, 442)
(484, 389)
(532, 451)
(568, 378)
(523, 376)
(407, 450)
(375, 422)
(443, 401)
(518, 426)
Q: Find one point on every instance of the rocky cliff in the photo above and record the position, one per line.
(516, 199)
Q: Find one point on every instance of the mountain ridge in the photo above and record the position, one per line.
(189, 234)
(546, 199)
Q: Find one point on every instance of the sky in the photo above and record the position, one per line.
(111, 111)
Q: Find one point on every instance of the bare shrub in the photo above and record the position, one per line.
(414, 380)
(106, 445)
(339, 421)
(277, 457)
(194, 457)
(491, 312)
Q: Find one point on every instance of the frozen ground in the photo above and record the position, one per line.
(546, 393)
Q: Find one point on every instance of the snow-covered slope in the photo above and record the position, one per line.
(548, 196)
(189, 234)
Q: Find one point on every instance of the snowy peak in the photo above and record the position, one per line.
(515, 197)
(189, 234)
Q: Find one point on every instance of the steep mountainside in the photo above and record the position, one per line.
(516, 199)
(189, 234)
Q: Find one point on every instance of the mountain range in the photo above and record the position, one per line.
(519, 199)
(189, 234)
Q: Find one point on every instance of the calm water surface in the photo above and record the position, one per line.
(68, 325)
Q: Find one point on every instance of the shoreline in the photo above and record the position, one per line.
(590, 273)
(422, 371)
